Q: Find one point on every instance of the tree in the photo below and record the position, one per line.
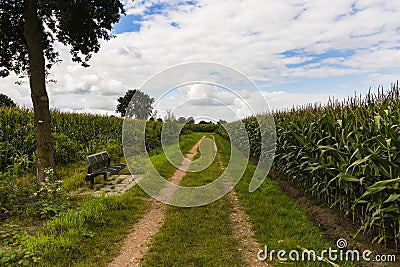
(5, 101)
(221, 121)
(140, 106)
(190, 120)
(182, 120)
(28, 30)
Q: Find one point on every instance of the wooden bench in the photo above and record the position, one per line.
(99, 164)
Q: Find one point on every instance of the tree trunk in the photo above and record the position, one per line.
(33, 32)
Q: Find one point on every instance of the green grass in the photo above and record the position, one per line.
(278, 222)
(73, 175)
(199, 236)
(89, 235)
(204, 157)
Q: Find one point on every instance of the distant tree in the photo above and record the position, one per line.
(170, 117)
(5, 101)
(190, 120)
(206, 122)
(221, 121)
(159, 120)
(29, 29)
(182, 120)
(140, 107)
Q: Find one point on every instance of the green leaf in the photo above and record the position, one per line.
(377, 120)
(392, 197)
(373, 190)
(358, 162)
(360, 201)
(385, 183)
(348, 177)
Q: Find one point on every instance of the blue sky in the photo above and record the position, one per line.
(296, 51)
(129, 23)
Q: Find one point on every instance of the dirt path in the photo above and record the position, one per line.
(136, 243)
(241, 228)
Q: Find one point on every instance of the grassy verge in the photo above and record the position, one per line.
(277, 221)
(89, 235)
(199, 236)
(73, 175)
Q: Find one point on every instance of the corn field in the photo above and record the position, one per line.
(346, 154)
(74, 137)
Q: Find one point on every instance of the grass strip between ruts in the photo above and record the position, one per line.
(197, 236)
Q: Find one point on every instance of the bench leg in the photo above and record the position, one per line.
(105, 176)
(92, 183)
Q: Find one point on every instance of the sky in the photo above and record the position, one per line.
(295, 51)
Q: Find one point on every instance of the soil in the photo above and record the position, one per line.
(333, 224)
(136, 243)
(242, 232)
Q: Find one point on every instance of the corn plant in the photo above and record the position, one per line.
(346, 154)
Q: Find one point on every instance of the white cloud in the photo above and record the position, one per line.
(248, 35)
(282, 100)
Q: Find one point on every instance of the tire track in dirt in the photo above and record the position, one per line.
(136, 243)
(247, 245)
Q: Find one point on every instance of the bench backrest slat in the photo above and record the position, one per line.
(93, 164)
(106, 158)
(100, 161)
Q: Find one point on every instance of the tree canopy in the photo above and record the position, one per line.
(29, 29)
(182, 120)
(190, 120)
(139, 103)
(77, 24)
(6, 101)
